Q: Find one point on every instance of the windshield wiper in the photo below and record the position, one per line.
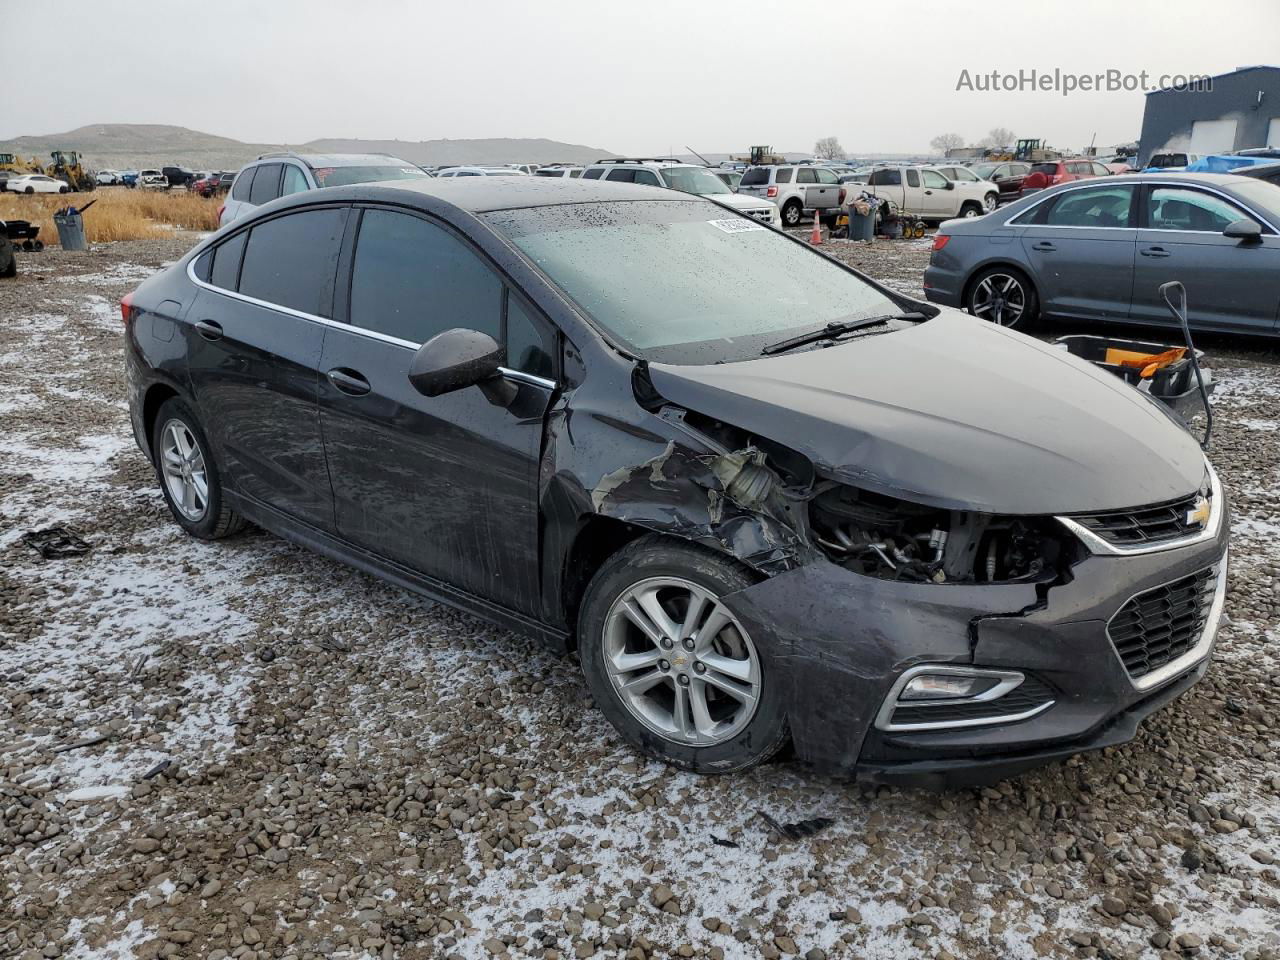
(838, 328)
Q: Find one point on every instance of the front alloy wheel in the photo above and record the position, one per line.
(989, 202)
(681, 662)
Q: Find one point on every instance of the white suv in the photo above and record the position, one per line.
(794, 189)
(685, 177)
(275, 175)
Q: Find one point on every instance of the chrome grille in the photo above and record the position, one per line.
(1154, 524)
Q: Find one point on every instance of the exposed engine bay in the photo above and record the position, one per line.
(894, 539)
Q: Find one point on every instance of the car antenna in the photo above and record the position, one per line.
(698, 155)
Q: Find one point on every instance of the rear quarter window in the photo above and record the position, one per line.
(266, 184)
(243, 184)
(225, 270)
(755, 178)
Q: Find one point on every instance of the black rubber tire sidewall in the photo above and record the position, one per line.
(792, 205)
(217, 521)
(664, 557)
(1030, 316)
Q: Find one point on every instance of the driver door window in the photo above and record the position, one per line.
(1176, 208)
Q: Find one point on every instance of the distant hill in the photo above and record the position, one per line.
(124, 145)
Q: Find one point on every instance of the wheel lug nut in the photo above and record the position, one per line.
(664, 665)
(688, 643)
(684, 680)
(666, 643)
(699, 668)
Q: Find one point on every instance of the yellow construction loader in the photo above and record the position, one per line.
(67, 167)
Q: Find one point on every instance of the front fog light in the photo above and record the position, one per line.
(939, 686)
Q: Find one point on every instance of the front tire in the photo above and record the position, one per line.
(792, 211)
(672, 667)
(189, 478)
(971, 209)
(1004, 296)
(990, 202)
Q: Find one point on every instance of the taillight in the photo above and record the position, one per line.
(126, 308)
(771, 192)
(940, 240)
(842, 195)
(1058, 178)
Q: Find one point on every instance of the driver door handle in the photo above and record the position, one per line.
(350, 382)
(1044, 245)
(1154, 252)
(209, 330)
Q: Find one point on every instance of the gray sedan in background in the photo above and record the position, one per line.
(1100, 249)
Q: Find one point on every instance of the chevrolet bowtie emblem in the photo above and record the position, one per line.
(1198, 515)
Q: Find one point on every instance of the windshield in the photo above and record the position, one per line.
(343, 176)
(984, 170)
(687, 281)
(694, 180)
(1262, 196)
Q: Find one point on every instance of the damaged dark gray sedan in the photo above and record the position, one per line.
(769, 502)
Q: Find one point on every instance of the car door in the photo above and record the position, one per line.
(254, 335)
(825, 193)
(807, 182)
(937, 194)
(1231, 284)
(446, 486)
(1079, 245)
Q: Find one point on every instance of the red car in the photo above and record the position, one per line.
(1053, 172)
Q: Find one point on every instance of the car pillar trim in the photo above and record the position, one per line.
(1098, 546)
(1008, 680)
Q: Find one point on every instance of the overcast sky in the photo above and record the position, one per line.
(626, 77)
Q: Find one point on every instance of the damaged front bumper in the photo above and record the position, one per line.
(844, 643)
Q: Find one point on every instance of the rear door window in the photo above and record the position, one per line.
(412, 279)
(622, 176)
(1093, 207)
(913, 178)
(289, 261)
(266, 184)
(592, 174)
(885, 178)
(806, 175)
(784, 176)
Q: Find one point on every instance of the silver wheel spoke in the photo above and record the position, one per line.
(699, 695)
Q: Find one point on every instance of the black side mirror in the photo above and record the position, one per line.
(1246, 231)
(951, 185)
(458, 358)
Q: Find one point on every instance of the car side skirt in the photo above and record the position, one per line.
(305, 535)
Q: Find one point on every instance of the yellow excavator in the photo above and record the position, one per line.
(67, 167)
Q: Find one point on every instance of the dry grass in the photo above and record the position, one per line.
(119, 214)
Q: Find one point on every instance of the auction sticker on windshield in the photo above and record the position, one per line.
(735, 226)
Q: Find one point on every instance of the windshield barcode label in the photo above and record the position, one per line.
(736, 226)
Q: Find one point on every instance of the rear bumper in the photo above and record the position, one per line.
(943, 284)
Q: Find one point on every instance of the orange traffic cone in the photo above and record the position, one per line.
(815, 238)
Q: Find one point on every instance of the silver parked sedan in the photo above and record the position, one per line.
(1100, 249)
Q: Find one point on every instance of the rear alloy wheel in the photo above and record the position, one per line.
(971, 209)
(671, 665)
(1003, 296)
(188, 476)
(792, 211)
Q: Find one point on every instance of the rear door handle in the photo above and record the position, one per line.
(1154, 252)
(350, 382)
(209, 330)
(1043, 245)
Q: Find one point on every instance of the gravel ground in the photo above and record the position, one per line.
(246, 750)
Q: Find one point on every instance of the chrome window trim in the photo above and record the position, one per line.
(1203, 646)
(1205, 187)
(507, 372)
(1009, 680)
(1098, 546)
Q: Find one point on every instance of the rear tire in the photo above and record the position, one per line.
(708, 699)
(792, 211)
(198, 507)
(29, 190)
(1005, 296)
(970, 209)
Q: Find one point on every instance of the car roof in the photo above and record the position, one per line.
(337, 159)
(486, 194)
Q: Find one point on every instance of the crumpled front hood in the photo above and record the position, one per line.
(956, 413)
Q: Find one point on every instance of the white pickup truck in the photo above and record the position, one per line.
(925, 193)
